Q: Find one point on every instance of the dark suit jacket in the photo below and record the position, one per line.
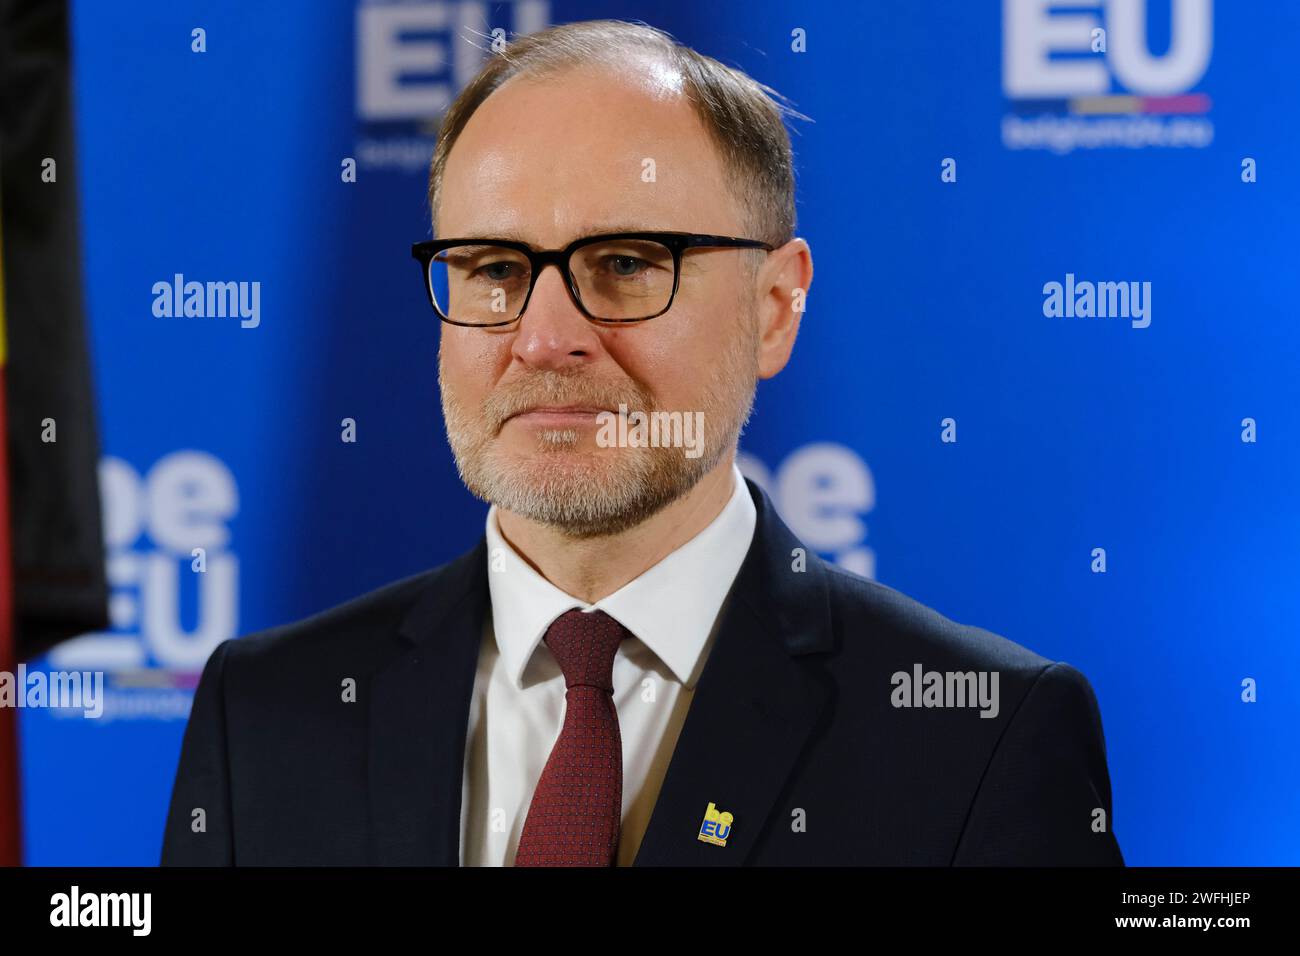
(793, 730)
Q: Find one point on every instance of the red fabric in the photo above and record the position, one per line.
(10, 827)
(577, 807)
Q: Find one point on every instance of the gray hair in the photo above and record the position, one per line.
(744, 118)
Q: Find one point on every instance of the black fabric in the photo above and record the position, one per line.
(58, 553)
(791, 730)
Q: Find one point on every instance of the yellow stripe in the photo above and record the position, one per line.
(1106, 104)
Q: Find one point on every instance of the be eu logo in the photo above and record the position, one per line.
(716, 826)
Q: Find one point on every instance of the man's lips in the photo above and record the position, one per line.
(558, 414)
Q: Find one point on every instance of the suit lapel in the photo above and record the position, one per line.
(419, 711)
(755, 706)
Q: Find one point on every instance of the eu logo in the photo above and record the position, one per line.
(716, 826)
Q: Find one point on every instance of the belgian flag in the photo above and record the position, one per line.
(10, 853)
(52, 583)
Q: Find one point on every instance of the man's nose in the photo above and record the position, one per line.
(552, 333)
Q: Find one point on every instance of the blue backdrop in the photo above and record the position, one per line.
(1128, 164)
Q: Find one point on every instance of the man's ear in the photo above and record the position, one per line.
(781, 291)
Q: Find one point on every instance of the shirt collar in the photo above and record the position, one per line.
(671, 608)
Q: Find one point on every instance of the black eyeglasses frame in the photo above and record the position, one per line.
(676, 242)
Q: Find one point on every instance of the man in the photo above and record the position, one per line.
(638, 663)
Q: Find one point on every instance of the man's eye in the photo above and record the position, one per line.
(497, 271)
(626, 266)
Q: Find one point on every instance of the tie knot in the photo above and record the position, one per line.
(584, 643)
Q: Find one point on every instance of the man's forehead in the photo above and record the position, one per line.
(577, 153)
(599, 110)
(580, 228)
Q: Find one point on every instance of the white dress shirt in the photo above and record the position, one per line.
(517, 708)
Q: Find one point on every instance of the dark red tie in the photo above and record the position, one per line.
(578, 804)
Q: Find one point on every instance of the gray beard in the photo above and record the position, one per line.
(590, 499)
(609, 490)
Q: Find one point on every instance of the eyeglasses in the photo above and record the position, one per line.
(614, 277)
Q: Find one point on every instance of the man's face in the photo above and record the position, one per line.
(547, 161)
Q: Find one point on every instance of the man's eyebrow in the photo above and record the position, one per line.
(514, 235)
